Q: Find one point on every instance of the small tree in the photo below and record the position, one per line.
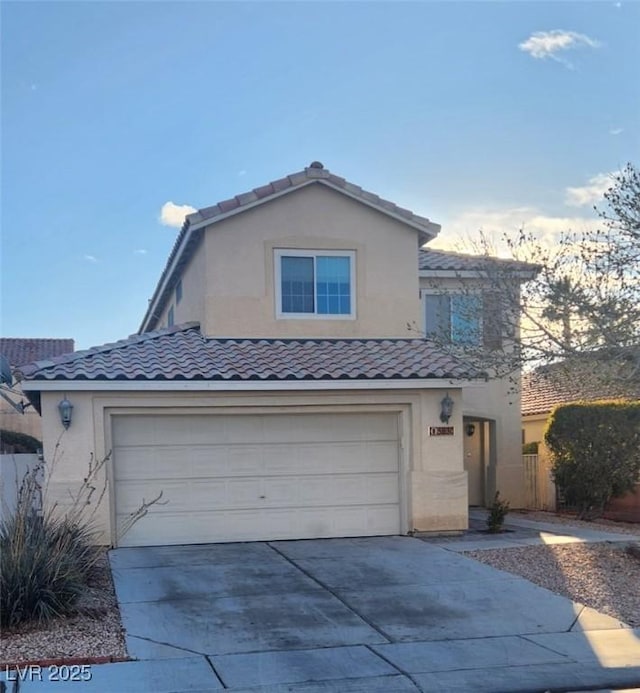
(47, 552)
(595, 449)
(575, 301)
(497, 513)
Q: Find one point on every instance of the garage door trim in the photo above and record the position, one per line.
(400, 410)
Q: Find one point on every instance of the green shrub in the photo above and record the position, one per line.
(15, 442)
(497, 512)
(45, 560)
(595, 449)
(530, 448)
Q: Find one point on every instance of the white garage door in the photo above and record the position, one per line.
(256, 477)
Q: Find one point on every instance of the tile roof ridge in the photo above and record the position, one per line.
(37, 339)
(456, 253)
(484, 257)
(106, 348)
(315, 172)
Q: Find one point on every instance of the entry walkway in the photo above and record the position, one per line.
(522, 532)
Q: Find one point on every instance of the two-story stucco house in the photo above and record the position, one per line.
(274, 390)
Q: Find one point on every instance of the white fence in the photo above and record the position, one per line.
(540, 491)
(13, 469)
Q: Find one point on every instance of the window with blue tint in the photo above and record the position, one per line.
(438, 317)
(170, 317)
(333, 285)
(179, 291)
(455, 318)
(466, 312)
(315, 283)
(296, 284)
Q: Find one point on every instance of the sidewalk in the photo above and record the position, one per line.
(521, 532)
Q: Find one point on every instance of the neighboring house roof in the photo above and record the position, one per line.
(183, 353)
(430, 259)
(546, 387)
(314, 174)
(19, 350)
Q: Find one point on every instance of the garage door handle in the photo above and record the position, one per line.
(262, 496)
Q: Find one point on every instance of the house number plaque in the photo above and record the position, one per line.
(440, 430)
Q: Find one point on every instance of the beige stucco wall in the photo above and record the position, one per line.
(240, 292)
(68, 454)
(433, 480)
(533, 426)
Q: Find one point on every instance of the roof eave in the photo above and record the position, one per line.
(250, 385)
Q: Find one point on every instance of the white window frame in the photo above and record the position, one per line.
(435, 292)
(279, 253)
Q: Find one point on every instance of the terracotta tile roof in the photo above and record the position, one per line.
(315, 173)
(546, 387)
(443, 260)
(183, 353)
(312, 174)
(21, 350)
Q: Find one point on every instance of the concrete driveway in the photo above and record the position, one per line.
(372, 614)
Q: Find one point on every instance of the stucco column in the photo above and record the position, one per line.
(439, 485)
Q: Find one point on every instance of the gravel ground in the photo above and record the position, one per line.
(95, 631)
(603, 576)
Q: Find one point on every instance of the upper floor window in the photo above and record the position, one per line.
(471, 319)
(315, 283)
(179, 291)
(170, 318)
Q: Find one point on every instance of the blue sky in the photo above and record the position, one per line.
(477, 115)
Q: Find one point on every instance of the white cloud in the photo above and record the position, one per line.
(590, 193)
(547, 44)
(616, 131)
(243, 172)
(462, 232)
(172, 214)
(140, 251)
(91, 258)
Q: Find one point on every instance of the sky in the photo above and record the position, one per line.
(119, 117)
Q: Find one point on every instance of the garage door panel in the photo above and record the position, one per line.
(177, 496)
(177, 461)
(193, 429)
(252, 477)
(270, 524)
(251, 460)
(289, 492)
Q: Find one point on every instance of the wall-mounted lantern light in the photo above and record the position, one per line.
(471, 429)
(65, 408)
(446, 408)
